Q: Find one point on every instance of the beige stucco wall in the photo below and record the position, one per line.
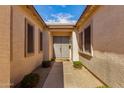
(21, 65)
(108, 40)
(4, 46)
(46, 45)
(75, 55)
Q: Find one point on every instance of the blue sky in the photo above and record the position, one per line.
(60, 13)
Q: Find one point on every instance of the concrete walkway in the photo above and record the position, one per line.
(75, 78)
(55, 77)
(63, 75)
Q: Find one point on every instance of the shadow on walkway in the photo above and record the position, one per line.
(51, 77)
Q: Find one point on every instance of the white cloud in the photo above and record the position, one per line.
(61, 18)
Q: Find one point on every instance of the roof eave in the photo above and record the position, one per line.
(88, 12)
(38, 16)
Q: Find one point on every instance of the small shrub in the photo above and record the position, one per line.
(52, 59)
(77, 64)
(30, 80)
(103, 86)
(67, 60)
(46, 64)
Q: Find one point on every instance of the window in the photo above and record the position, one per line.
(40, 40)
(87, 39)
(81, 41)
(29, 38)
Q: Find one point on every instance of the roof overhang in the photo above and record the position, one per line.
(36, 14)
(64, 26)
(88, 12)
(61, 28)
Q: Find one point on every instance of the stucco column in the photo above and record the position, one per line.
(75, 55)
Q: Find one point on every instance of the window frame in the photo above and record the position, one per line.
(87, 45)
(27, 22)
(40, 50)
(91, 39)
(81, 40)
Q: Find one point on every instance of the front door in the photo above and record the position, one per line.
(61, 46)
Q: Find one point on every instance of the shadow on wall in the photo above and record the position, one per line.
(85, 56)
(50, 77)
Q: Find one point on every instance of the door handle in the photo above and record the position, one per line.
(69, 46)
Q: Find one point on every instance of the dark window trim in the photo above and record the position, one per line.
(91, 44)
(87, 39)
(80, 42)
(40, 50)
(11, 33)
(26, 52)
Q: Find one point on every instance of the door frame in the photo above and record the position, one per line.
(70, 50)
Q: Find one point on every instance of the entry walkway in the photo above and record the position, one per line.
(75, 78)
(55, 77)
(63, 75)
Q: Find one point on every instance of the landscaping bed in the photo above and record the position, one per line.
(46, 64)
(30, 80)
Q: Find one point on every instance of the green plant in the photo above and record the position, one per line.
(30, 80)
(52, 59)
(46, 64)
(104, 86)
(77, 64)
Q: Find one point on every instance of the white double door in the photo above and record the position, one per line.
(61, 46)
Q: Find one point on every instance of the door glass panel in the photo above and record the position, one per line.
(61, 47)
(57, 47)
(65, 47)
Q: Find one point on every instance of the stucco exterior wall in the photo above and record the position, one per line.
(46, 45)
(5, 46)
(107, 62)
(75, 55)
(21, 65)
(51, 46)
